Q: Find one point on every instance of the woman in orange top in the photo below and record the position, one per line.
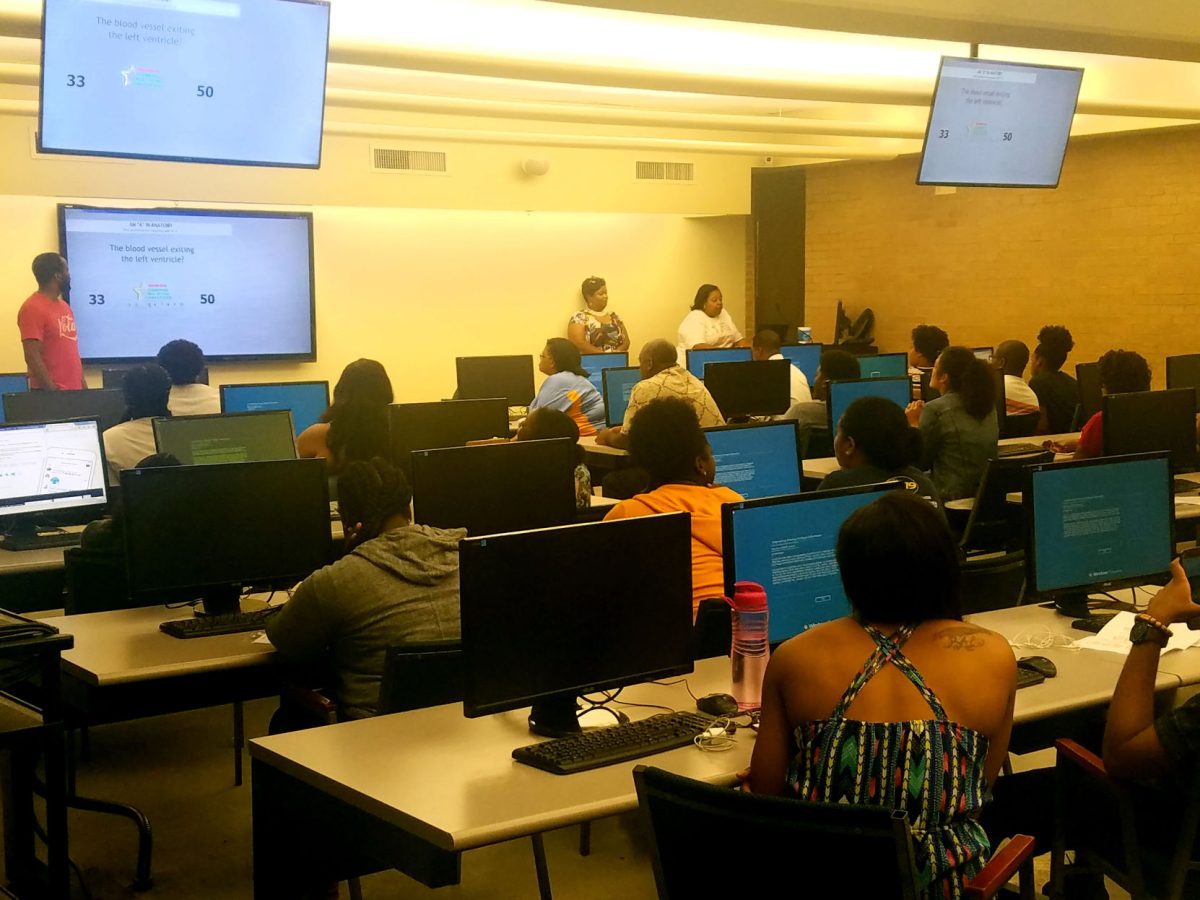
(665, 439)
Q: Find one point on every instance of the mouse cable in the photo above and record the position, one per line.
(718, 738)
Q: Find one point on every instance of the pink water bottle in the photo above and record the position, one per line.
(749, 651)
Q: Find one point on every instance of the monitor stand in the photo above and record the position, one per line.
(557, 717)
(221, 600)
(1073, 605)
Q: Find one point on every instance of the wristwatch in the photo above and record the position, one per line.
(1143, 631)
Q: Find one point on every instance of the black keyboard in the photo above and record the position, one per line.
(1017, 449)
(605, 746)
(229, 623)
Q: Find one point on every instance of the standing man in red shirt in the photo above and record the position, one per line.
(48, 329)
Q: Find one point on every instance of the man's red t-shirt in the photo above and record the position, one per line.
(53, 324)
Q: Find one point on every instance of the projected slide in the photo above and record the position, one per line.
(201, 80)
(237, 284)
(996, 123)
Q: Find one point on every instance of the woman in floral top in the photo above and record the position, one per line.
(593, 330)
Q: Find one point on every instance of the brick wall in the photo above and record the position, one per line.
(1113, 253)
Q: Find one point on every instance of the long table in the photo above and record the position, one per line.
(414, 790)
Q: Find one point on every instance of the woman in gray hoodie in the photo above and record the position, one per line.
(398, 583)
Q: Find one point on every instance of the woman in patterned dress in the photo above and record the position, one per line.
(923, 724)
(592, 329)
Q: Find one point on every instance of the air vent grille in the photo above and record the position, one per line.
(665, 171)
(391, 159)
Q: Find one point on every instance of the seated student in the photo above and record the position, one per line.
(836, 365)
(928, 342)
(398, 583)
(901, 685)
(106, 536)
(1121, 372)
(667, 442)
(184, 361)
(875, 443)
(567, 388)
(545, 423)
(355, 427)
(1057, 392)
(959, 431)
(1011, 357)
(662, 376)
(146, 391)
(766, 345)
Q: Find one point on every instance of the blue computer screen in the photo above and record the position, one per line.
(757, 461)
(618, 385)
(12, 384)
(805, 357)
(595, 364)
(307, 400)
(1099, 523)
(884, 365)
(843, 393)
(698, 359)
(788, 548)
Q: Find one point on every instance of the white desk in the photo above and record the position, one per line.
(414, 790)
(13, 562)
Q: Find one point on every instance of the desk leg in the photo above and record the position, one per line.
(539, 863)
(305, 838)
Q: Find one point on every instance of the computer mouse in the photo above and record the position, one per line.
(1039, 664)
(717, 705)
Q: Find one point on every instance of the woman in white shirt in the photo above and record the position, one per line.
(708, 326)
(125, 445)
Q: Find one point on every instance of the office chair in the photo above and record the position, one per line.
(867, 849)
(713, 632)
(1149, 855)
(994, 523)
(994, 581)
(419, 675)
(816, 442)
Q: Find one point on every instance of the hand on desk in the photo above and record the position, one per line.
(1060, 446)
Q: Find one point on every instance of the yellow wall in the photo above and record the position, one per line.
(1113, 253)
(417, 269)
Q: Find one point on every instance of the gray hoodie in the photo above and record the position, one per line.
(399, 587)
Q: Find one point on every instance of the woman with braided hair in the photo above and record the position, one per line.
(397, 584)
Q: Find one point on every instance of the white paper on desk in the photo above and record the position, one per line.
(1114, 637)
(261, 639)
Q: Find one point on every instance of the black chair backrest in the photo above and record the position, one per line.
(712, 634)
(418, 675)
(816, 442)
(1087, 375)
(1019, 426)
(994, 523)
(871, 845)
(992, 582)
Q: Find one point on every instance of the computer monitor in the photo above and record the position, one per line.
(208, 531)
(787, 545)
(227, 437)
(12, 383)
(753, 388)
(884, 365)
(984, 353)
(481, 377)
(618, 385)
(1097, 525)
(445, 423)
(51, 473)
(760, 460)
(492, 488)
(843, 393)
(306, 400)
(1087, 375)
(1152, 420)
(107, 407)
(538, 630)
(698, 359)
(595, 364)
(1182, 371)
(805, 357)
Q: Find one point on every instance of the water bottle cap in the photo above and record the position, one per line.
(748, 595)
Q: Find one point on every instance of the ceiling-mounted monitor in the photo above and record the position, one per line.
(237, 282)
(998, 124)
(239, 82)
